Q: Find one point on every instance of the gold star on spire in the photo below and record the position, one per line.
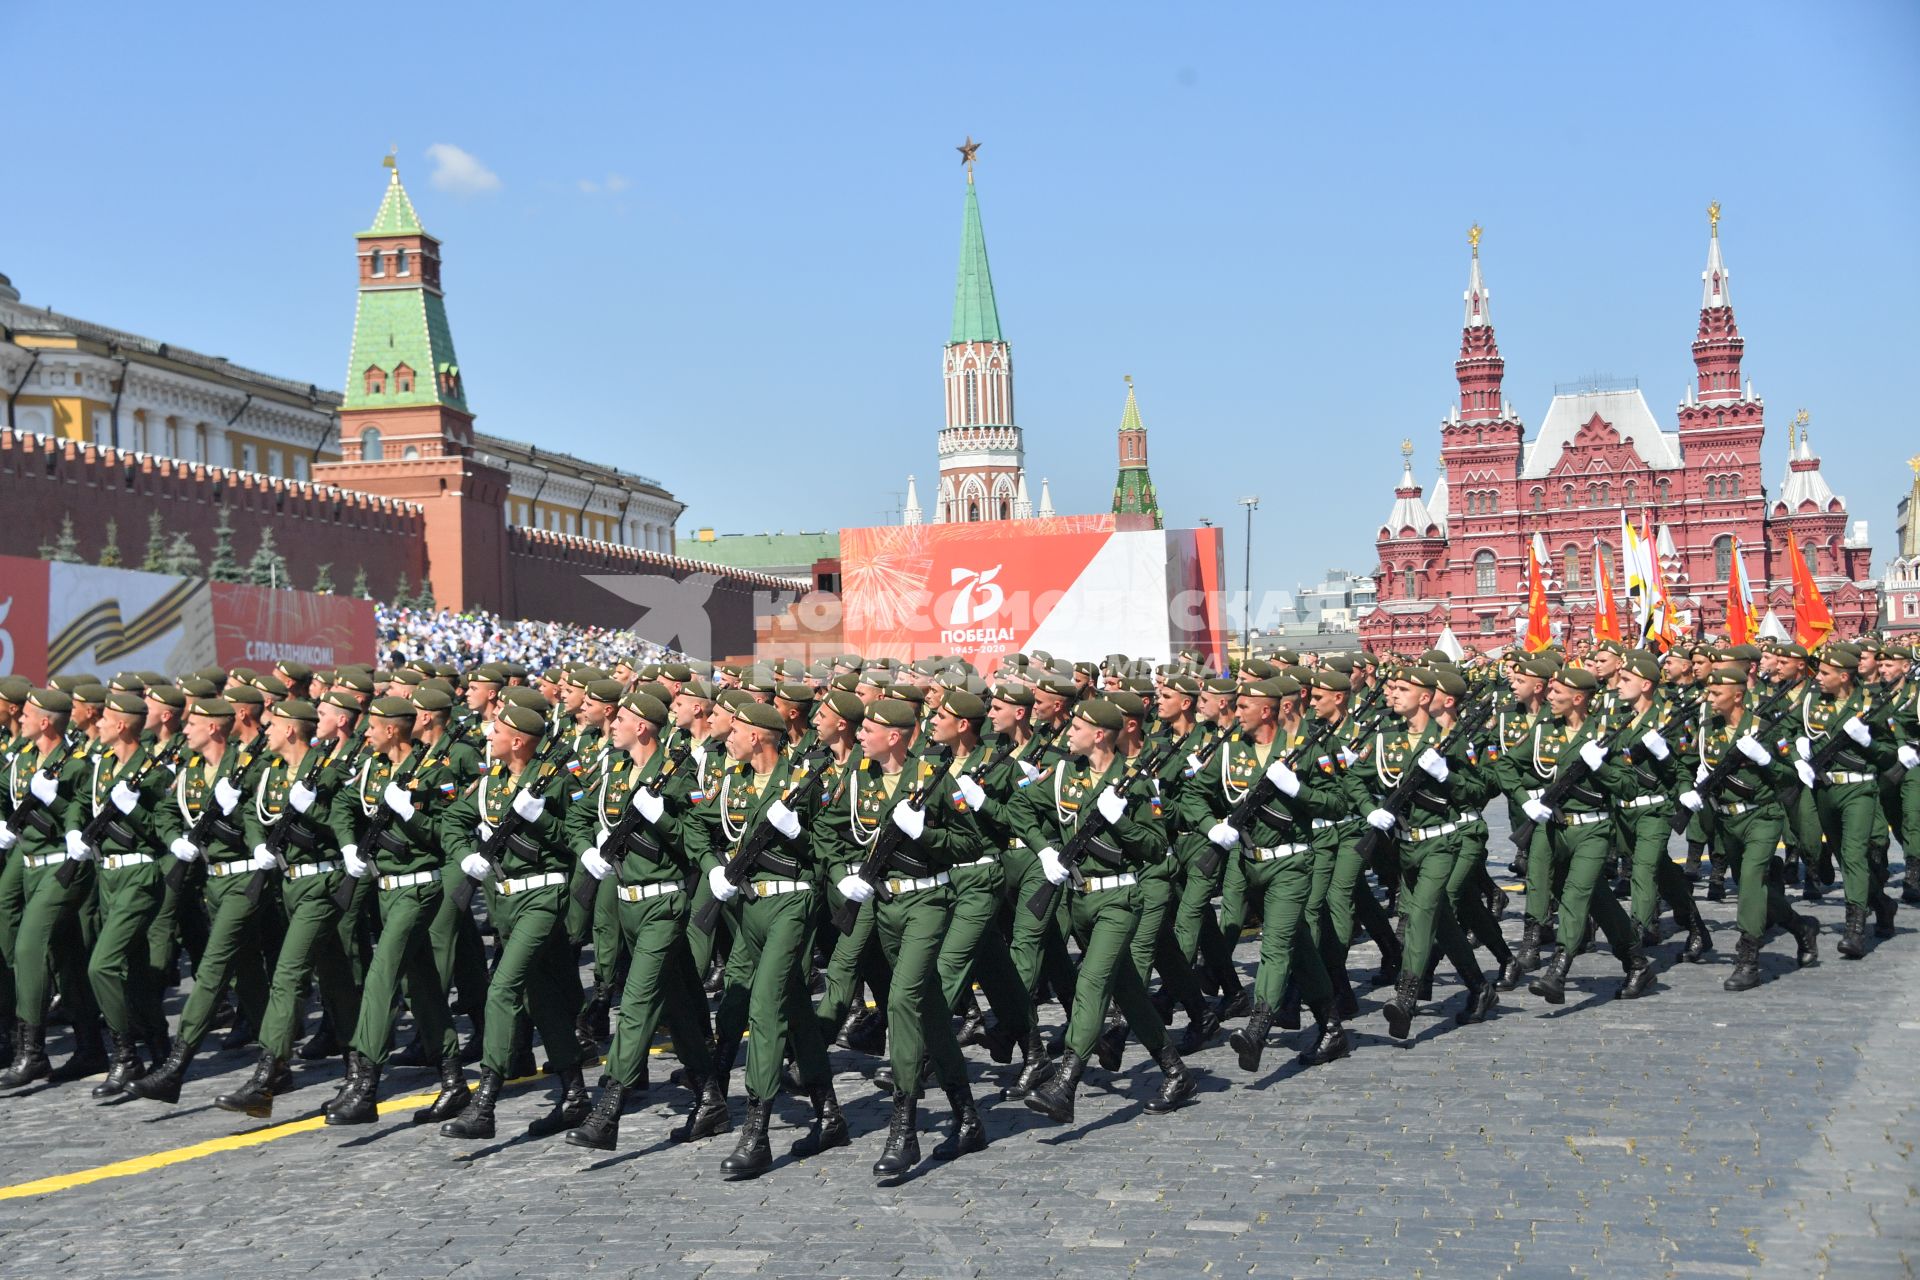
(968, 150)
(1473, 238)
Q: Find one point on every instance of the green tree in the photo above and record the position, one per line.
(225, 566)
(359, 589)
(181, 559)
(323, 580)
(268, 568)
(425, 601)
(110, 553)
(156, 557)
(65, 549)
(403, 593)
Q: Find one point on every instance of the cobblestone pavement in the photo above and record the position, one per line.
(1696, 1133)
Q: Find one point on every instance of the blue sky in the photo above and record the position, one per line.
(716, 244)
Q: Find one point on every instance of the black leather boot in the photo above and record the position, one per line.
(1717, 882)
(1806, 937)
(452, 1098)
(1389, 974)
(1333, 1041)
(1202, 1026)
(752, 1156)
(1482, 995)
(412, 1056)
(902, 1151)
(1853, 940)
(1551, 985)
(322, 1044)
(360, 1104)
(1526, 956)
(1250, 1041)
(869, 1035)
(1699, 938)
(998, 1042)
(89, 1056)
(240, 1035)
(1036, 1069)
(1694, 849)
(1884, 910)
(569, 1110)
(477, 1120)
(1910, 883)
(255, 1097)
(1746, 965)
(1235, 1004)
(709, 1114)
(600, 1131)
(125, 1068)
(1176, 1082)
(162, 1084)
(1345, 1003)
(1639, 971)
(968, 1135)
(1054, 1099)
(586, 1027)
(1111, 1047)
(829, 1126)
(1288, 1014)
(1400, 1010)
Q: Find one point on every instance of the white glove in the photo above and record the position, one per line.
(973, 793)
(911, 819)
(474, 866)
(1111, 804)
(1537, 811)
(1433, 765)
(1194, 764)
(723, 889)
(1594, 754)
(1032, 771)
(1692, 800)
(597, 866)
(184, 850)
(356, 865)
(1803, 748)
(1701, 771)
(484, 830)
(650, 804)
(1857, 731)
(854, 889)
(226, 795)
(1347, 756)
(6, 837)
(1751, 748)
(124, 797)
(529, 806)
(262, 860)
(1380, 820)
(401, 803)
(1805, 770)
(784, 820)
(1908, 756)
(1051, 866)
(1655, 744)
(46, 789)
(301, 797)
(77, 850)
(1224, 834)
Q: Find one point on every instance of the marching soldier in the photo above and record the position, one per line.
(1844, 793)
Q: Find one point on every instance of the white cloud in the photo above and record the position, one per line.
(588, 186)
(617, 183)
(458, 171)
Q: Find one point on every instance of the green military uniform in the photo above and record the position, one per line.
(44, 944)
(1643, 820)
(1846, 800)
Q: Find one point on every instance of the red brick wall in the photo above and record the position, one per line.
(42, 480)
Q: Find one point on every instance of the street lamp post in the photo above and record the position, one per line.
(1252, 504)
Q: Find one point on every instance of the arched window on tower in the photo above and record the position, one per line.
(1539, 498)
(371, 450)
(1733, 485)
(1484, 580)
(973, 397)
(1407, 589)
(1722, 558)
(376, 381)
(1570, 562)
(377, 264)
(1593, 494)
(973, 511)
(1566, 496)
(1632, 491)
(1663, 490)
(400, 267)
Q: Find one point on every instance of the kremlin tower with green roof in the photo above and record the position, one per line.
(1133, 491)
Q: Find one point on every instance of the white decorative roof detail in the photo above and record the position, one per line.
(1409, 510)
(1806, 484)
(1713, 281)
(1625, 410)
(1438, 507)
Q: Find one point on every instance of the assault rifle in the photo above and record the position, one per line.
(1094, 824)
(1837, 741)
(873, 868)
(96, 829)
(281, 836)
(1400, 799)
(1261, 793)
(548, 781)
(377, 824)
(197, 835)
(747, 858)
(1732, 762)
(615, 845)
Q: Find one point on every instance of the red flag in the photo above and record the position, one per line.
(1606, 622)
(1539, 635)
(1811, 621)
(1741, 623)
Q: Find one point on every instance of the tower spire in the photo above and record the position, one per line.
(1133, 492)
(1718, 346)
(1480, 368)
(982, 457)
(1478, 312)
(975, 317)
